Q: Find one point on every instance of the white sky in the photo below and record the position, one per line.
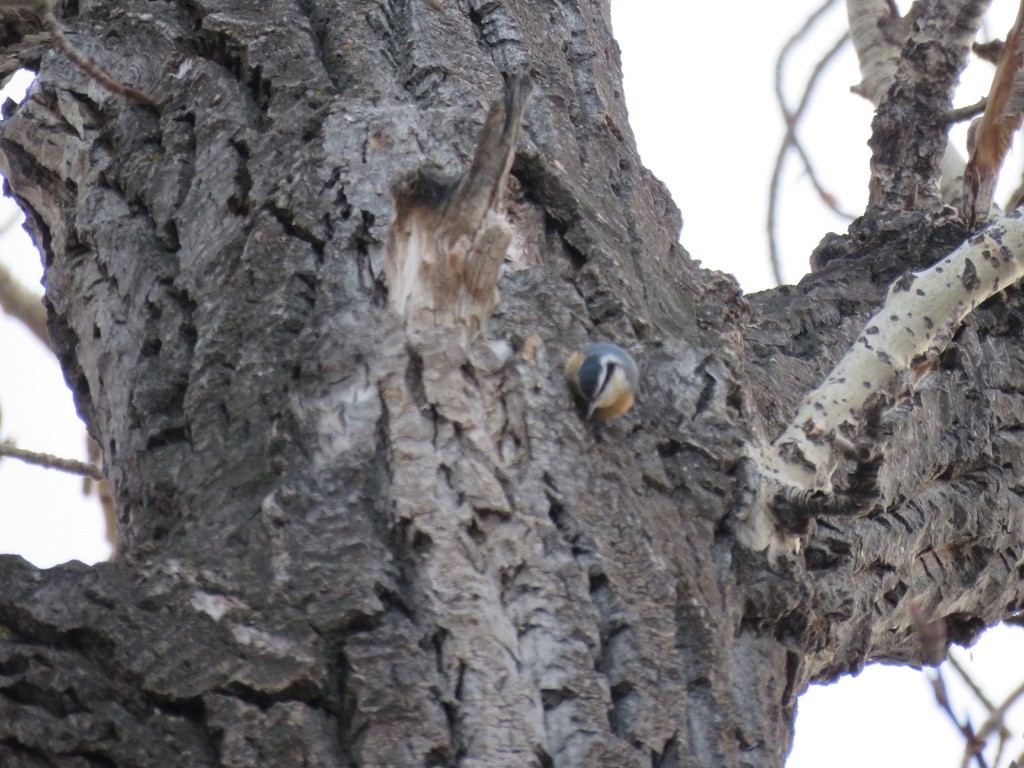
(702, 107)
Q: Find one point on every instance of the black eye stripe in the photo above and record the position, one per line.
(608, 372)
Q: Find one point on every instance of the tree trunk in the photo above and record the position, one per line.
(344, 543)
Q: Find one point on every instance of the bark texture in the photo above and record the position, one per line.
(910, 130)
(346, 545)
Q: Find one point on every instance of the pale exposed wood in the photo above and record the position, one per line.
(449, 238)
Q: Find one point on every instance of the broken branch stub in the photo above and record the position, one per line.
(447, 240)
(921, 313)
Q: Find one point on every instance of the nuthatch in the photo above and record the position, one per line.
(605, 377)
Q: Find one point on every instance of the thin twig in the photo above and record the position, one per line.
(89, 65)
(960, 114)
(826, 197)
(1016, 197)
(1004, 734)
(799, 35)
(995, 718)
(790, 139)
(966, 678)
(990, 707)
(71, 466)
(972, 744)
(932, 640)
(21, 304)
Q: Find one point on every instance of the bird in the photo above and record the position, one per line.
(605, 378)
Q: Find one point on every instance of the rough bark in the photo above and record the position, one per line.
(910, 131)
(345, 545)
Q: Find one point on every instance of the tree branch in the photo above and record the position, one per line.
(878, 36)
(919, 317)
(21, 304)
(996, 718)
(960, 114)
(909, 136)
(791, 141)
(48, 460)
(871, 25)
(989, 138)
(973, 743)
(969, 681)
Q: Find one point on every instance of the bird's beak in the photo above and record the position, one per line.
(590, 411)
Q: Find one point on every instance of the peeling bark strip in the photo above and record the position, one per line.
(921, 313)
(446, 243)
(989, 138)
